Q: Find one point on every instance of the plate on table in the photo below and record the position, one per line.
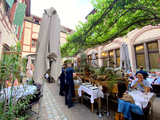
(93, 88)
(86, 84)
(89, 86)
(83, 83)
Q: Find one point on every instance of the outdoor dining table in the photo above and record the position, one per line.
(93, 93)
(18, 91)
(141, 99)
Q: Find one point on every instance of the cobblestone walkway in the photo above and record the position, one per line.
(50, 109)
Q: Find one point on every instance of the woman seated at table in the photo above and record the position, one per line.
(122, 93)
(9, 82)
(141, 83)
(157, 81)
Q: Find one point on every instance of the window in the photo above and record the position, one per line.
(111, 59)
(89, 59)
(140, 58)
(34, 41)
(105, 59)
(118, 58)
(37, 21)
(153, 53)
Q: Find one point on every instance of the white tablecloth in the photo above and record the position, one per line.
(18, 91)
(140, 98)
(94, 93)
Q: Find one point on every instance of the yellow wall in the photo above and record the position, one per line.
(33, 49)
(26, 48)
(36, 28)
(148, 34)
(63, 38)
(27, 36)
(28, 24)
(35, 35)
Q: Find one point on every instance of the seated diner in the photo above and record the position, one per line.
(122, 93)
(126, 105)
(10, 82)
(141, 83)
(131, 77)
(157, 81)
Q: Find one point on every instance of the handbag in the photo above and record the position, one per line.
(119, 116)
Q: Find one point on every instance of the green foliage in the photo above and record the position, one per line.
(76, 69)
(68, 61)
(83, 59)
(114, 18)
(153, 70)
(19, 48)
(11, 63)
(24, 62)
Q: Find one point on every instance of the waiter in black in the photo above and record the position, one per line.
(144, 73)
(70, 74)
(62, 81)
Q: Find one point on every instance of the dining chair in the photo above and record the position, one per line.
(156, 88)
(130, 110)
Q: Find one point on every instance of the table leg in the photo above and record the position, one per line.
(92, 106)
(151, 100)
(82, 97)
(99, 103)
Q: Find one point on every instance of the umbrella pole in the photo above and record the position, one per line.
(40, 103)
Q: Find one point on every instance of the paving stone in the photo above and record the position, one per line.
(48, 108)
(65, 119)
(55, 113)
(57, 117)
(62, 116)
(49, 112)
(50, 116)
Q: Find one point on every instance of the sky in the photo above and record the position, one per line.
(70, 11)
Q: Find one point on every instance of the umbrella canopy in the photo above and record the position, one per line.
(124, 57)
(48, 57)
(94, 60)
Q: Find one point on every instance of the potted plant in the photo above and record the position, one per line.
(11, 64)
(152, 70)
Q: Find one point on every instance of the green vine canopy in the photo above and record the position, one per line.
(114, 18)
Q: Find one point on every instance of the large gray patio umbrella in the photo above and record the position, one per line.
(48, 57)
(94, 60)
(124, 57)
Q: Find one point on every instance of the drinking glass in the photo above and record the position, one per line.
(145, 97)
(146, 92)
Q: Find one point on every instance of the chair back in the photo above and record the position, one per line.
(156, 88)
(130, 110)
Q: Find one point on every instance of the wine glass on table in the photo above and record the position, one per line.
(138, 89)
